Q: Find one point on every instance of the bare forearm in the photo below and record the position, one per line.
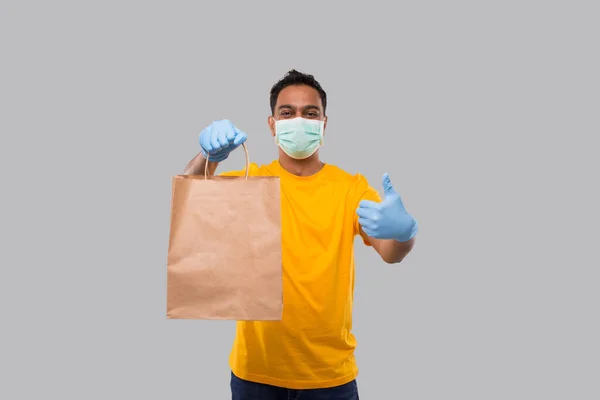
(197, 166)
(392, 251)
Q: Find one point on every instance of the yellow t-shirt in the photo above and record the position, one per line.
(312, 346)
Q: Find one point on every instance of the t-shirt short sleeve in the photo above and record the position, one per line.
(363, 191)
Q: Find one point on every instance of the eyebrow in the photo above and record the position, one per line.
(308, 107)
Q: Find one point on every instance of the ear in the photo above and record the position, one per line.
(271, 122)
(324, 125)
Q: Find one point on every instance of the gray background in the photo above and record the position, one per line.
(485, 116)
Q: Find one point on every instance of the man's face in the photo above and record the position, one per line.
(297, 101)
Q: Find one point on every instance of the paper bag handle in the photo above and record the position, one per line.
(247, 163)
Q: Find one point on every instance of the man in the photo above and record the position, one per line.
(309, 354)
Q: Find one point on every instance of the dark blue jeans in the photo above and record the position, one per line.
(245, 390)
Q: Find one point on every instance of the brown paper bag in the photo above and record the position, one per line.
(224, 257)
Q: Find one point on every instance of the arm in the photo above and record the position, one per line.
(391, 251)
(386, 225)
(197, 164)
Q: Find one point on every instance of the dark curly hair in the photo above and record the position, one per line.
(294, 77)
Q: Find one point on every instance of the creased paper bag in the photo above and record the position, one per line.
(224, 256)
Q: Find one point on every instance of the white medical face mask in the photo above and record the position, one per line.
(299, 137)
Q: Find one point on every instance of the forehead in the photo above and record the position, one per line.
(299, 95)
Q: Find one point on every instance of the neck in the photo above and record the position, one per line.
(308, 166)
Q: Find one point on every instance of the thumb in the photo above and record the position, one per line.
(387, 185)
(240, 136)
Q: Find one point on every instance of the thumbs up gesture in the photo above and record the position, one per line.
(388, 219)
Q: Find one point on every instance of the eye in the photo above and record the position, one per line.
(312, 114)
(286, 113)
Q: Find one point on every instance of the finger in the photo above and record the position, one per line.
(367, 213)
(231, 132)
(240, 138)
(205, 139)
(214, 138)
(368, 204)
(387, 184)
(366, 223)
(369, 232)
(237, 130)
(222, 136)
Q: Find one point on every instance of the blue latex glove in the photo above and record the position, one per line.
(219, 139)
(388, 219)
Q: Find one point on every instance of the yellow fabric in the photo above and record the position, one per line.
(312, 347)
